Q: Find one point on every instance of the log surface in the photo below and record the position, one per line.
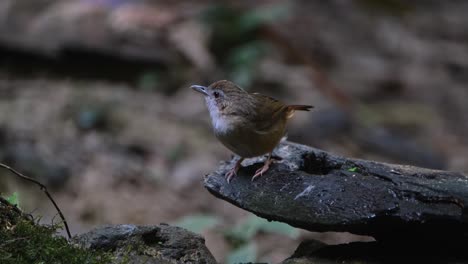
(319, 191)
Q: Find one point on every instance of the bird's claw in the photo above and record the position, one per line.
(260, 171)
(231, 173)
(263, 169)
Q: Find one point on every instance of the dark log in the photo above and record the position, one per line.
(319, 191)
(312, 251)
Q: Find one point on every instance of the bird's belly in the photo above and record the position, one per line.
(250, 143)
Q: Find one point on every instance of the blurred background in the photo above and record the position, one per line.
(95, 101)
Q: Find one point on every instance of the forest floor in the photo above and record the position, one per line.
(99, 108)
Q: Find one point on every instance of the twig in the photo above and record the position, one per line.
(44, 189)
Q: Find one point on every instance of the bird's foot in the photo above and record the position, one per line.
(263, 169)
(230, 174)
(233, 172)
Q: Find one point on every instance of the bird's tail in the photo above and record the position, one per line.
(293, 108)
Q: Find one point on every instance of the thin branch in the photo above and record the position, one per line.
(44, 189)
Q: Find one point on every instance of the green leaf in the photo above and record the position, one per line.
(197, 223)
(243, 61)
(148, 81)
(252, 225)
(244, 254)
(353, 169)
(245, 230)
(255, 18)
(13, 199)
(280, 228)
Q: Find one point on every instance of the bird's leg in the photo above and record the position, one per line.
(264, 168)
(232, 172)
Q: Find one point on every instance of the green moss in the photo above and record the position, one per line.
(23, 241)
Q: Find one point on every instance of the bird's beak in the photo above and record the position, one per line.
(200, 89)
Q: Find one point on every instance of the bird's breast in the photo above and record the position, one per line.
(243, 139)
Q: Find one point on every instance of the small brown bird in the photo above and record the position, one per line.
(249, 124)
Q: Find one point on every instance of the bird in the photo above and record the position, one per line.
(248, 124)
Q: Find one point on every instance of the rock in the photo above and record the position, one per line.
(125, 243)
(148, 244)
(24, 240)
(319, 191)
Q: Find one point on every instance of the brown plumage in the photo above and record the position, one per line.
(249, 124)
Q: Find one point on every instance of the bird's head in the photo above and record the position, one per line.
(222, 96)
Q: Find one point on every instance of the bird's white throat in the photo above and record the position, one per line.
(221, 125)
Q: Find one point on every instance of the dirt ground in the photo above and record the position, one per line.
(95, 99)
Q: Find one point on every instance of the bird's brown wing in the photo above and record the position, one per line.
(267, 112)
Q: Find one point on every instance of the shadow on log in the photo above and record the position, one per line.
(311, 251)
(318, 191)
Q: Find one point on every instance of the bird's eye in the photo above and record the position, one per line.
(216, 94)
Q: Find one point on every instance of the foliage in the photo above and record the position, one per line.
(23, 241)
(13, 199)
(149, 81)
(232, 27)
(246, 230)
(242, 62)
(235, 41)
(91, 116)
(197, 223)
(242, 254)
(240, 236)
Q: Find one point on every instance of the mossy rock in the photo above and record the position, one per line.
(22, 240)
(148, 244)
